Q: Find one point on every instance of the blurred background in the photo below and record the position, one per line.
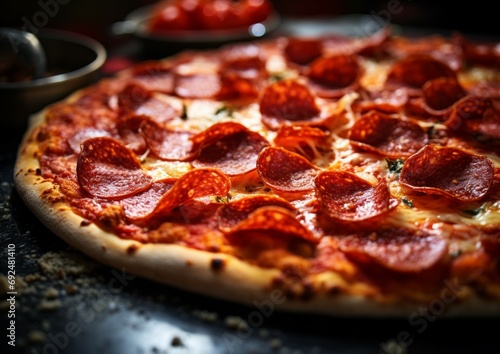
(94, 18)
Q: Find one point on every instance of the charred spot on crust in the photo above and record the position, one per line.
(38, 172)
(217, 264)
(85, 223)
(334, 290)
(132, 249)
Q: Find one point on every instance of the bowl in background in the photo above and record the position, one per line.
(73, 61)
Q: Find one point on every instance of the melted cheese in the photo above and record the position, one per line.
(444, 218)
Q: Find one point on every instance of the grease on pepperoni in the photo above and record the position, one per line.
(235, 87)
(81, 135)
(334, 76)
(133, 96)
(231, 214)
(415, 70)
(302, 51)
(168, 144)
(387, 135)
(347, 197)
(448, 171)
(246, 64)
(154, 76)
(143, 203)
(286, 171)
(435, 46)
(302, 139)
(228, 146)
(480, 53)
(474, 115)
(276, 221)
(287, 101)
(135, 99)
(397, 249)
(129, 131)
(387, 101)
(202, 85)
(441, 93)
(194, 184)
(108, 169)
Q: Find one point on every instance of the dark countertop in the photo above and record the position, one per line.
(84, 307)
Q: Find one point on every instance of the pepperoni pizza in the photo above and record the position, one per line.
(356, 176)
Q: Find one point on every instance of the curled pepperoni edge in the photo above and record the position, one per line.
(273, 219)
(263, 167)
(381, 189)
(122, 167)
(397, 249)
(428, 152)
(236, 211)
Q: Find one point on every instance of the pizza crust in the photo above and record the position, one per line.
(191, 269)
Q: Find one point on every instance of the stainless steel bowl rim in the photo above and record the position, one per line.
(85, 41)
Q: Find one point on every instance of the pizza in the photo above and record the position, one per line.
(346, 176)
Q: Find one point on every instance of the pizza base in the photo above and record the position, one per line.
(190, 269)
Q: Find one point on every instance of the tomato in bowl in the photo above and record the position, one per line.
(207, 15)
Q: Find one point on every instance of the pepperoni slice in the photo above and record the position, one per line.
(302, 51)
(437, 47)
(485, 89)
(107, 169)
(287, 101)
(128, 129)
(303, 139)
(286, 171)
(159, 110)
(154, 76)
(442, 93)
(480, 53)
(229, 215)
(346, 197)
(375, 43)
(133, 96)
(168, 144)
(387, 101)
(415, 70)
(143, 203)
(197, 85)
(137, 100)
(234, 87)
(386, 135)
(274, 220)
(397, 249)
(474, 115)
(246, 63)
(194, 184)
(76, 140)
(230, 147)
(242, 73)
(448, 171)
(334, 76)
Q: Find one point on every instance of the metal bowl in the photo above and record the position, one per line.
(73, 61)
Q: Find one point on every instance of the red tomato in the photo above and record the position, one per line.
(256, 10)
(209, 14)
(220, 14)
(192, 8)
(170, 17)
